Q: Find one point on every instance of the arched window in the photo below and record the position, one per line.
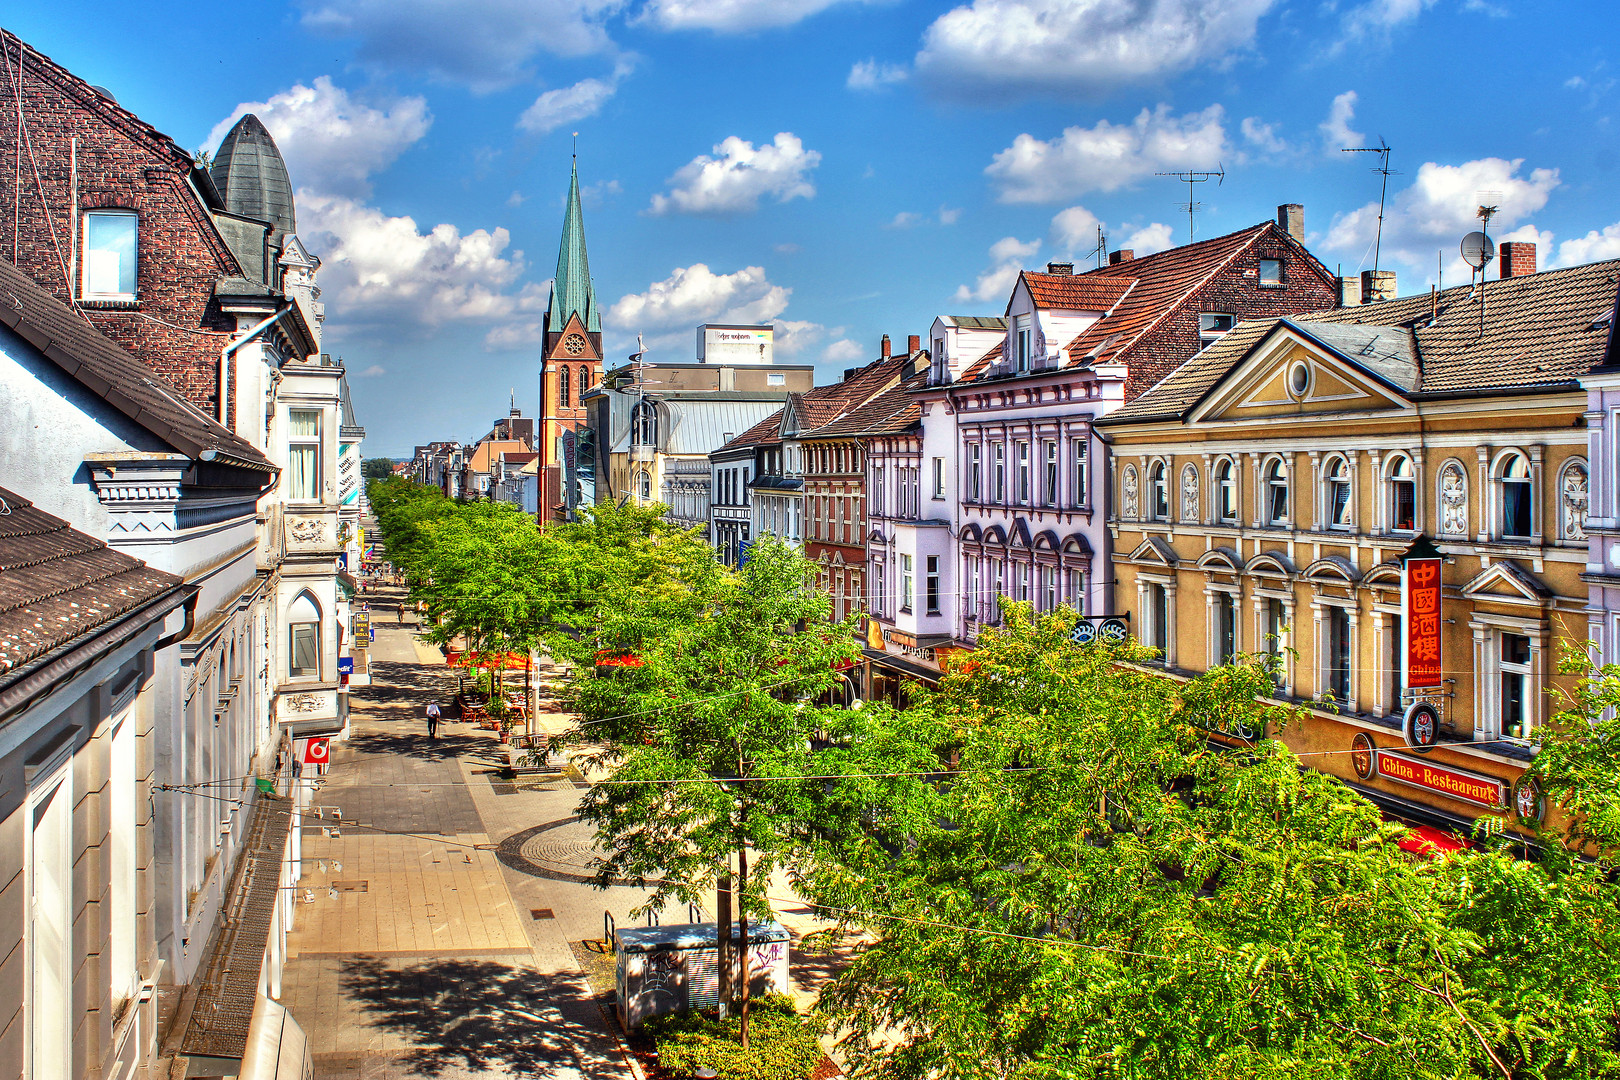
(1573, 498)
(644, 431)
(1276, 493)
(562, 388)
(1225, 491)
(584, 381)
(1336, 490)
(1159, 492)
(644, 484)
(1402, 494)
(1514, 496)
(304, 638)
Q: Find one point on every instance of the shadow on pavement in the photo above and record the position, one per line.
(482, 1017)
(416, 744)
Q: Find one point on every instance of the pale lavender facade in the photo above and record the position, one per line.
(1602, 498)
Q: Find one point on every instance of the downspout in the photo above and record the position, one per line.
(185, 627)
(1107, 476)
(225, 357)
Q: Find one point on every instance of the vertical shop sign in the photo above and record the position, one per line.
(1421, 595)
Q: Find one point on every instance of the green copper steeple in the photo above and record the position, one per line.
(571, 291)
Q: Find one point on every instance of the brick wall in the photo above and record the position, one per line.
(124, 163)
(1236, 291)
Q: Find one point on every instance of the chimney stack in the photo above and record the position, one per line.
(1349, 292)
(1517, 258)
(1377, 285)
(1059, 268)
(885, 346)
(1122, 255)
(1291, 218)
(913, 343)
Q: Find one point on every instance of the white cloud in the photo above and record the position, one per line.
(1441, 206)
(484, 44)
(1074, 230)
(1150, 238)
(794, 336)
(843, 351)
(1336, 131)
(1593, 247)
(730, 16)
(516, 199)
(1007, 257)
(331, 141)
(1108, 156)
(554, 108)
(1262, 136)
(739, 175)
(905, 219)
(950, 215)
(669, 309)
(1085, 47)
(1376, 18)
(373, 371)
(871, 75)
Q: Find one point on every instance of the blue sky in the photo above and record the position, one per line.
(845, 168)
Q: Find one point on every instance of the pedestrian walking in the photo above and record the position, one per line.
(433, 719)
(399, 613)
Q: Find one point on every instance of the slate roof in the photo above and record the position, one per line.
(976, 322)
(1076, 292)
(1541, 332)
(252, 177)
(58, 584)
(116, 377)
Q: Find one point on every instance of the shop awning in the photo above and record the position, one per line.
(1427, 840)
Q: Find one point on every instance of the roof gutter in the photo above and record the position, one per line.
(226, 353)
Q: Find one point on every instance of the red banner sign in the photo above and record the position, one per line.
(1421, 590)
(1486, 791)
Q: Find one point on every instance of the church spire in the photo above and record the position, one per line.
(571, 291)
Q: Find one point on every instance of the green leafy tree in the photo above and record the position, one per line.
(377, 468)
(1107, 889)
(724, 732)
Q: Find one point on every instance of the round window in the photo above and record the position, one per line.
(574, 344)
(1299, 380)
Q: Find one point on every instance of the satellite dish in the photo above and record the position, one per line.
(1478, 250)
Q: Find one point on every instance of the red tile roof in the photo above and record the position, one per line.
(822, 405)
(1076, 292)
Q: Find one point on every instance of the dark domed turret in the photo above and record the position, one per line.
(251, 176)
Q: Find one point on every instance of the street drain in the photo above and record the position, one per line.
(542, 913)
(352, 886)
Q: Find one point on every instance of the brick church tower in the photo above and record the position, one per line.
(571, 362)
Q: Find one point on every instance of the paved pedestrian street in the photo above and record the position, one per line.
(434, 921)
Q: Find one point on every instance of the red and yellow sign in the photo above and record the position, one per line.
(1423, 625)
(1486, 791)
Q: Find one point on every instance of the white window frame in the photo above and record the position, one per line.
(1499, 482)
(998, 472)
(1225, 492)
(939, 478)
(906, 570)
(1158, 492)
(314, 443)
(1025, 478)
(931, 593)
(1390, 492)
(1336, 475)
(1208, 331)
(1079, 459)
(89, 217)
(1275, 475)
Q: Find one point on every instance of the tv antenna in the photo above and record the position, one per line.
(1101, 248)
(1384, 171)
(1191, 178)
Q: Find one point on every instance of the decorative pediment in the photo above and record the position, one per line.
(1221, 560)
(971, 534)
(1272, 564)
(1290, 375)
(1046, 541)
(994, 535)
(1155, 552)
(1385, 574)
(1505, 583)
(1333, 570)
(876, 537)
(574, 343)
(1018, 536)
(1077, 544)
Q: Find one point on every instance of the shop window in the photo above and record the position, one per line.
(1336, 481)
(1159, 491)
(1402, 495)
(1226, 492)
(1338, 654)
(110, 249)
(1516, 720)
(304, 455)
(304, 638)
(931, 583)
(1276, 493)
(1513, 482)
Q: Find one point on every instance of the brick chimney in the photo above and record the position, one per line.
(1060, 268)
(885, 346)
(1349, 292)
(1122, 255)
(1377, 285)
(1518, 258)
(1291, 219)
(913, 342)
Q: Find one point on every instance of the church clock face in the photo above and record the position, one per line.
(573, 345)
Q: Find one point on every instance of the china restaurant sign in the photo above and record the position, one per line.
(1486, 791)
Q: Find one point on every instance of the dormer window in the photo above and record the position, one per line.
(110, 249)
(1023, 343)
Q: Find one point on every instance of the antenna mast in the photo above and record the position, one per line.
(1101, 250)
(1382, 149)
(1190, 178)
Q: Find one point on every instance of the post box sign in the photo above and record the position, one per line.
(1421, 595)
(1486, 791)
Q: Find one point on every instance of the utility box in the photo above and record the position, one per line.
(668, 969)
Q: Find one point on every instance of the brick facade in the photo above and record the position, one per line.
(118, 162)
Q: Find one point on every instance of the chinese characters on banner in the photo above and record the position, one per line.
(1421, 591)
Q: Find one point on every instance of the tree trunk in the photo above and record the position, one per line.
(722, 908)
(742, 909)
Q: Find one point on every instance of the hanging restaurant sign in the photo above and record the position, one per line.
(1420, 595)
(1486, 791)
